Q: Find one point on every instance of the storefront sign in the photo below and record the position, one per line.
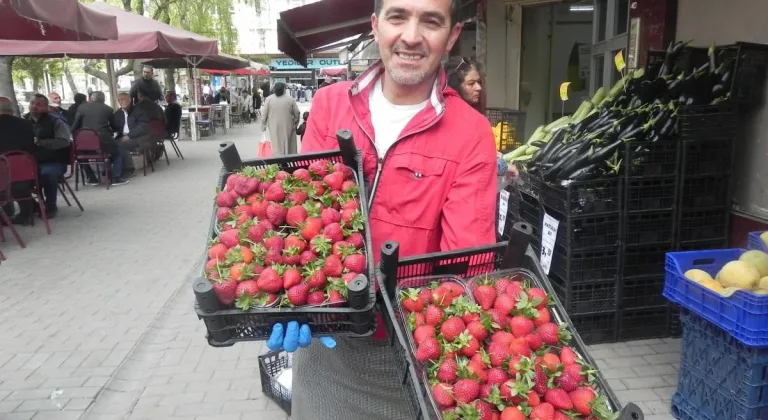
(312, 63)
(564, 90)
(548, 239)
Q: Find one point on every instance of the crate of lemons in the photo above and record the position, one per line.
(749, 273)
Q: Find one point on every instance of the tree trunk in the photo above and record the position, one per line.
(70, 79)
(6, 82)
(90, 68)
(36, 85)
(170, 80)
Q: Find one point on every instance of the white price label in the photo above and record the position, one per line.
(548, 239)
(503, 209)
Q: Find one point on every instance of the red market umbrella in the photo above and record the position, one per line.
(333, 71)
(218, 62)
(54, 20)
(138, 37)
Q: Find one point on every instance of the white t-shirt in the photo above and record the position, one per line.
(389, 120)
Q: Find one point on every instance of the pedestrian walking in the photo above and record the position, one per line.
(279, 120)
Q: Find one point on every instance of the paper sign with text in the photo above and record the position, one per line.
(548, 239)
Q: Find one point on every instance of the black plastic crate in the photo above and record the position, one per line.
(749, 80)
(512, 127)
(530, 184)
(650, 194)
(705, 192)
(650, 227)
(644, 260)
(597, 328)
(225, 327)
(720, 243)
(708, 122)
(580, 197)
(645, 158)
(577, 266)
(270, 366)
(585, 298)
(703, 225)
(528, 210)
(707, 157)
(586, 232)
(642, 292)
(644, 323)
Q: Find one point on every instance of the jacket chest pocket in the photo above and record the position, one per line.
(415, 190)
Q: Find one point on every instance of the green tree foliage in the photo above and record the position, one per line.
(35, 68)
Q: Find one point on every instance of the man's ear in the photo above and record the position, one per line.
(455, 32)
(375, 26)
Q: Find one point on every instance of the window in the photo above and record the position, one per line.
(609, 36)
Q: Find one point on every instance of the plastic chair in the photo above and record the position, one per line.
(5, 198)
(172, 138)
(24, 169)
(64, 184)
(88, 151)
(204, 121)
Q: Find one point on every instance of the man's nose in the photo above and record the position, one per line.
(411, 33)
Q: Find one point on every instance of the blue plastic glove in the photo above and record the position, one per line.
(294, 337)
(501, 166)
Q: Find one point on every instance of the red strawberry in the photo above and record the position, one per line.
(223, 213)
(466, 390)
(356, 239)
(343, 169)
(334, 180)
(230, 238)
(282, 175)
(298, 294)
(276, 214)
(429, 349)
(291, 277)
(443, 395)
(543, 411)
(425, 296)
(543, 317)
(447, 371)
(259, 208)
(504, 303)
(318, 188)
(307, 257)
(226, 199)
(348, 186)
(497, 376)
(311, 228)
(559, 415)
(274, 241)
(231, 180)
(293, 241)
(502, 337)
(520, 326)
(550, 333)
(501, 285)
(567, 355)
(433, 315)
(350, 205)
(513, 290)
(275, 192)
(422, 333)
(316, 279)
(520, 346)
(477, 329)
(336, 298)
(266, 225)
(342, 248)
(355, 263)
(225, 291)
(302, 174)
(211, 265)
(582, 399)
(348, 217)
(329, 216)
(471, 347)
(334, 232)
(332, 266)
(319, 168)
(512, 413)
(567, 382)
(244, 209)
(484, 295)
(452, 327)
(264, 186)
(498, 318)
(498, 352)
(248, 287)
(534, 341)
(316, 298)
(540, 380)
(240, 254)
(533, 399)
(298, 197)
(295, 216)
(550, 361)
(409, 300)
(255, 233)
(559, 399)
(538, 296)
(217, 252)
(269, 281)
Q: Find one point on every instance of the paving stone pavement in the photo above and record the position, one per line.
(98, 322)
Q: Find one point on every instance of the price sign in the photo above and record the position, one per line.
(564, 90)
(503, 209)
(619, 60)
(548, 239)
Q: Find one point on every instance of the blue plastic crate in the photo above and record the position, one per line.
(756, 243)
(744, 315)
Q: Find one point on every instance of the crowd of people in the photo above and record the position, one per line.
(48, 133)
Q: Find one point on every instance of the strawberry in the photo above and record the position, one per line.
(255, 233)
(316, 279)
(538, 297)
(298, 294)
(466, 390)
(275, 193)
(295, 216)
(504, 304)
(318, 189)
(425, 296)
(274, 241)
(269, 281)
(259, 208)
(477, 329)
(273, 257)
(243, 209)
(543, 317)
(276, 213)
(334, 232)
(520, 346)
(551, 334)
(443, 395)
(502, 337)
(332, 266)
(348, 186)
(248, 296)
(264, 186)
(533, 399)
(318, 168)
(415, 319)
(559, 415)
(451, 328)
(543, 411)
(225, 291)
(294, 241)
(226, 199)
(356, 239)
(429, 349)
(433, 315)
(311, 228)
(266, 225)
(485, 296)
(498, 318)
(513, 290)
(350, 218)
(422, 333)
(559, 399)
(582, 400)
(334, 181)
(320, 245)
(567, 356)
(298, 197)
(240, 272)
(329, 216)
(307, 257)
(336, 298)
(497, 376)
(409, 300)
(447, 371)
(470, 345)
(343, 169)
(223, 213)
(212, 265)
(534, 341)
(512, 413)
(316, 298)
(575, 370)
(240, 254)
(248, 287)
(520, 326)
(350, 204)
(282, 175)
(302, 174)
(230, 238)
(217, 252)
(550, 361)
(501, 285)
(291, 277)
(540, 380)
(230, 184)
(567, 381)
(498, 353)
(355, 263)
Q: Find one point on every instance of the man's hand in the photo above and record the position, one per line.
(124, 138)
(294, 337)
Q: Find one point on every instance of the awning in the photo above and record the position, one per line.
(138, 37)
(218, 62)
(240, 72)
(304, 29)
(53, 20)
(334, 71)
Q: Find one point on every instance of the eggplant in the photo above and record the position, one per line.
(552, 172)
(551, 145)
(573, 165)
(668, 127)
(600, 155)
(583, 174)
(718, 90)
(539, 143)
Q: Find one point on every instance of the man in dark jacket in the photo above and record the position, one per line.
(54, 140)
(265, 89)
(72, 110)
(141, 116)
(16, 134)
(149, 84)
(172, 114)
(100, 117)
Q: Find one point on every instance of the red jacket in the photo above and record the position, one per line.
(436, 187)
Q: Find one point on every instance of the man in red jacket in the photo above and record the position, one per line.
(431, 163)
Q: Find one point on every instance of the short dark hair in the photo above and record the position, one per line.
(80, 98)
(41, 97)
(378, 4)
(306, 115)
(98, 97)
(279, 89)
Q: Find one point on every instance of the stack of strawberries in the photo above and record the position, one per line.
(497, 354)
(289, 239)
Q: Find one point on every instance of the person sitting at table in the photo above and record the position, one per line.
(16, 134)
(206, 99)
(139, 135)
(172, 114)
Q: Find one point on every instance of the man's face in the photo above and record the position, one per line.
(328, 79)
(124, 101)
(146, 73)
(412, 36)
(54, 98)
(38, 106)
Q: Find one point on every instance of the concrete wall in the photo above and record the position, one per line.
(503, 55)
(724, 22)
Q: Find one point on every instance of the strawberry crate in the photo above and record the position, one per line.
(464, 263)
(226, 326)
(756, 243)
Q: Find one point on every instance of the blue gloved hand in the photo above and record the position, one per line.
(293, 337)
(501, 166)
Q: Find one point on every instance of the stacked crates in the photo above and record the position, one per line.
(508, 128)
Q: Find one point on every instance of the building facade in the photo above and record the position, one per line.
(257, 32)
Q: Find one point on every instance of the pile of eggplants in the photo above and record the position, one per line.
(641, 107)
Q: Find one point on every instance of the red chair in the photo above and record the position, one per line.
(88, 151)
(5, 198)
(64, 185)
(24, 169)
